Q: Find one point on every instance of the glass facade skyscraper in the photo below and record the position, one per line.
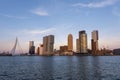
(48, 45)
(83, 42)
(94, 42)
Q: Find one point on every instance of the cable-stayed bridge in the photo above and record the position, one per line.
(17, 49)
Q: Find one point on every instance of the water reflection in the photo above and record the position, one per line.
(59, 68)
(69, 70)
(95, 67)
(82, 67)
(46, 68)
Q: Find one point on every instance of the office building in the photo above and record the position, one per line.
(41, 49)
(70, 42)
(63, 49)
(94, 42)
(38, 51)
(48, 45)
(31, 47)
(83, 42)
(77, 46)
(45, 43)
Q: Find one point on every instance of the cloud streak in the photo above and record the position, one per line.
(40, 12)
(37, 32)
(101, 4)
(16, 17)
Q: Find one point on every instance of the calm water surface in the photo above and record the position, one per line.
(60, 68)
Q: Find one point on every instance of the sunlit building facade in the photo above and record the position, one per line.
(41, 49)
(70, 42)
(38, 51)
(77, 46)
(83, 42)
(63, 49)
(94, 42)
(48, 45)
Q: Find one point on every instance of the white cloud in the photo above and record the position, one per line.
(10, 16)
(40, 12)
(35, 32)
(103, 3)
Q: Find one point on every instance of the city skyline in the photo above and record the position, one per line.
(31, 20)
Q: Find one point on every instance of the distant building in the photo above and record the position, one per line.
(77, 46)
(70, 42)
(38, 51)
(83, 42)
(31, 47)
(94, 42)
(63, 49)
(116, 51)
(48, 45)
(41, 49)
(45, 44)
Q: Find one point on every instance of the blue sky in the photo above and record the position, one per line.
(33, 19)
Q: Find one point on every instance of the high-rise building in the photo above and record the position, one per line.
(38, 51)
(94, 42)
(48, 45)
(45, 43)
(31, 47)
(70, 42)
(41, 49)
(83, 42)
(77, 46)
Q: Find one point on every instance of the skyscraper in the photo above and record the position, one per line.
(77, 46)
(48, 45)
(31, 47)
(45, 43)
(41, 49)
(94, 42)
(70, 42)
(83, 41)
(38, 51)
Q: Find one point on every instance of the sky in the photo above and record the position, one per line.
(32, 19)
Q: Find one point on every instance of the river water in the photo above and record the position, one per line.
(60, 68)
